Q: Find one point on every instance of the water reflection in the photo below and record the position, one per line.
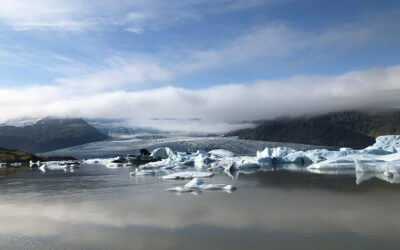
(281, 209)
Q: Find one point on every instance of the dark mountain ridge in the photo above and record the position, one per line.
(49, 134)
(356, 129)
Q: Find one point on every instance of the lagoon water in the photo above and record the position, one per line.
(99, 208)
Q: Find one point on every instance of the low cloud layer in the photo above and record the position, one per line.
(221, 104)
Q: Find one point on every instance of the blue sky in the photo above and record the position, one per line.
(102, 49)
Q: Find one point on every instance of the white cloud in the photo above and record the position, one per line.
(137, 15)
(119, 74)
(225, 103)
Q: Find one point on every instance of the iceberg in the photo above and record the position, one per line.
(162, 153)
(187, 175)
(390, 143)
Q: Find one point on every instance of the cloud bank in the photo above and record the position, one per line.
(230, 103)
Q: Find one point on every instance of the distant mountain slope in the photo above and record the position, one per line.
(49, 134)
(16, 156)
(356, 129)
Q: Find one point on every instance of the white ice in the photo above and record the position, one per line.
(187, 175)
(198, 183)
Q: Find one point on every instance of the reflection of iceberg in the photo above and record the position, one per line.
(365, 176)
(331, 171)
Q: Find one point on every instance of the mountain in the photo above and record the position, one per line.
(356, 129)
(49, 134)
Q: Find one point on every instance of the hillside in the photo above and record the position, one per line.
(16, 156)
(356, 129)
(49, 134)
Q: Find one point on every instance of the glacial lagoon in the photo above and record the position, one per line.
(99, 208)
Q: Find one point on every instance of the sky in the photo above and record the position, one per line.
(196, 65)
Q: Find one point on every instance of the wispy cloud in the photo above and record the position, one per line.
(135, 16)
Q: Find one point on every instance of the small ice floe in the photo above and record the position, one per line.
(138, 172)
(187, 175)
(33, 164)
(198, 184)
(3, 165)
(16, 164)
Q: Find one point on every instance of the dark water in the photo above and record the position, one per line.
(99, 208)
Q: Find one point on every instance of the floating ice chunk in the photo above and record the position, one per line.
(34, 164)
(197, 183)
(221, 153)
(138, 172)
(187, 175)
(163, 153)
(16, 164)
(3, 165)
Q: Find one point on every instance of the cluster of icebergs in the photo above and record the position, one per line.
(380, 160)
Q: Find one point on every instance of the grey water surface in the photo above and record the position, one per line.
(99, 208)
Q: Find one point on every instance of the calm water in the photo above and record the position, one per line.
(99, 208)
